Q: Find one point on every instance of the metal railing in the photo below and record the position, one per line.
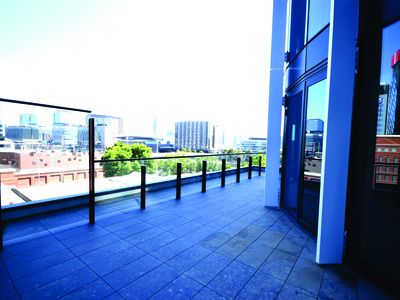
(178, 173)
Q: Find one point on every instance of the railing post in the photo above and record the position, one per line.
(259, 165)
(250, 167)
(91, 173)
(178, 180)
(223, 172)
(203, 176)
(238, 170)
(143, 187)
(1, 220)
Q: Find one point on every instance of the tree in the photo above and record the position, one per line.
(124, 151)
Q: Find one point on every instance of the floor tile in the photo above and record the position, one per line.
(278, 264)
(98, 289)
(234, 247)
(306, 275)
(117, 260)
(130, 272)
(188, 258)
(18, 270)
(255, 255)
(36, 280)
(261, 286)
(215, 240)
(8, 291)
(206, 269)
(181, 288)
(271, 238)
(251, 232)
(104, 253)
(94, 244)
(290, 292)
(150, 283)
(170, 250)
(231, 280)
(207, 294)
(338, 285)
(157, 242)
(143, 236)
(63, 286)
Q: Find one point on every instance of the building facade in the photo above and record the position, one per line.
(253, 144)
(195, 135)
(106, 128)
(336, 170)
(147, 141)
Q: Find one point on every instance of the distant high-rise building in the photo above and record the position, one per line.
(107, 128)
(315, 125)
(197, 135)
(253, 144)
(61, 117)
(382, 109)
(20, 133)
(1, 130)
(393, 112)
(28, 119)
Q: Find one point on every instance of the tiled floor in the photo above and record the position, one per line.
(222, 244)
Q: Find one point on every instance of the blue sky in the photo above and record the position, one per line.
(175, 59)
(390, 44)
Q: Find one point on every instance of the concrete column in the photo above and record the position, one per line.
(337, 128)
(272, 183)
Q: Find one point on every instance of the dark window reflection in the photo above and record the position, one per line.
(387, 150)
(297, 26)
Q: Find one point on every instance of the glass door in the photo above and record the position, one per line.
(293, 146)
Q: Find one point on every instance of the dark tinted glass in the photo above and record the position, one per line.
(297, 26)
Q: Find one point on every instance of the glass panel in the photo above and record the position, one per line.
(314, 134)
(387, 147)
(43, 153)
(297, 26)
(293, 146)
(318, 16)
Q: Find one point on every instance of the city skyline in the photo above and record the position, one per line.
(136, 60)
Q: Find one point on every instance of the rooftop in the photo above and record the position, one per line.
(215, 245)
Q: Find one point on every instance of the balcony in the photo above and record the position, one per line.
(221, 244)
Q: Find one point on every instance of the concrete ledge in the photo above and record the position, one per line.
(22, 210)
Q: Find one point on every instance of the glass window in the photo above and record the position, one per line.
(297, 26)
(313, 150)
(318, 16)
(388, 121)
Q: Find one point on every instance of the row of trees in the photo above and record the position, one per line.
(164, 167)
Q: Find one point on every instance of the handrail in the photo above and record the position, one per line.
(44, 105)
(174, 157)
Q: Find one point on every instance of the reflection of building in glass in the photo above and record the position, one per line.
(393, 114)
(382, 109)
(387, 159)
(197, 135)
(315, 125)
(314, 137)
